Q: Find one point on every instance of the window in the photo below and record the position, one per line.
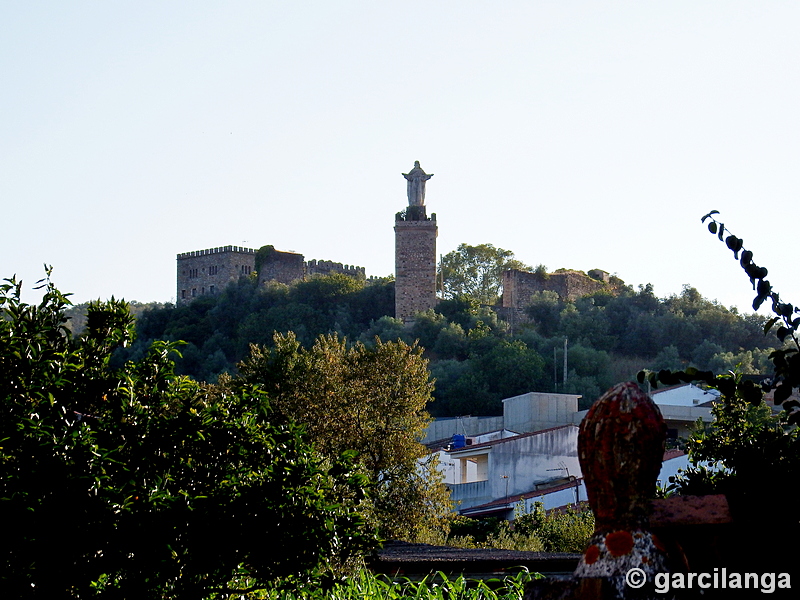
(183, 293)
(194, 292)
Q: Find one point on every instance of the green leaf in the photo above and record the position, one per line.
(790, 404)
(768, 325)
(734, 244)
(758, 301)
(782, 393)
(712, 227)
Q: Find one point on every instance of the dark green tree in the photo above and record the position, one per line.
(476, 271)
(138, 483)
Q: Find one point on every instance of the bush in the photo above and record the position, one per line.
(138, 483)
(565, 530)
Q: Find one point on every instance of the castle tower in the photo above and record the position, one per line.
(415, 250)
(207, 272)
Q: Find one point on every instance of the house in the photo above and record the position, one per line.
(493, 465)
(492, 477)
(682, 405)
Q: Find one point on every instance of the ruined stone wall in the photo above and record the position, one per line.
(283, 267)
(328, 267)
(519, 286)
(415, 262)
(205, 272)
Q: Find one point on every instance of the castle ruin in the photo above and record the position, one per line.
(520, 286)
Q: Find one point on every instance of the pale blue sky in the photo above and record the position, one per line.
(577, 134)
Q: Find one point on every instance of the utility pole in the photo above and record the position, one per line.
(555, 371)
(565, 363)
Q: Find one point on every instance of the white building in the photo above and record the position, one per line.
(530, 454)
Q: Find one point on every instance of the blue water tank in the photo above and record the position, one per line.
(459, 441)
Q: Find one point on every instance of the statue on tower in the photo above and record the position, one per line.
(416, 185)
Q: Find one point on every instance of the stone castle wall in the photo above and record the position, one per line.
(415, 262)
(328, 267)
(207, 272)
(519, 286)
(283, 267)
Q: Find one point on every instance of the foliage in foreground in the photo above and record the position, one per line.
(748, 452)
(137, 483)
(434, 587)
(757, 450)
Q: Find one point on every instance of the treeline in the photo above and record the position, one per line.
(219, 329)
(475, 358)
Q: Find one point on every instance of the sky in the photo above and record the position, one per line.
(579, 135)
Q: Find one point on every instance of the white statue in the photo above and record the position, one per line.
(416, 185)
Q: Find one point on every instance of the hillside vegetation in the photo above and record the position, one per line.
(474, 358)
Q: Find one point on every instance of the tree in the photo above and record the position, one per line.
(138, 483)
(369, 400)
(477, 271)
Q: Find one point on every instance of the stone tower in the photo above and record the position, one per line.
(415, 250)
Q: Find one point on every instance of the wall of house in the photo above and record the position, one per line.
(440, 429)
(515, 466)
(533, 459)
(467, 495)
(535, 411)
(669, 468)
(559, 498)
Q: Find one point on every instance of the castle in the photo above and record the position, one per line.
(207, 272)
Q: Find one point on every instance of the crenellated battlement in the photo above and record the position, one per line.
(218, 250)
(328, 267)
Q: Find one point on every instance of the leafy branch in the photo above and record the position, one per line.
(785, 360)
